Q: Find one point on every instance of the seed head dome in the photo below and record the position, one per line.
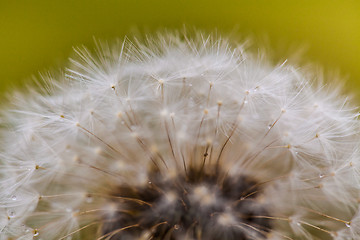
(179, 139)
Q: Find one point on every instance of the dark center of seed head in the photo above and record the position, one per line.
(198, 205)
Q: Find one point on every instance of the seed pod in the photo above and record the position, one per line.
(179, 139)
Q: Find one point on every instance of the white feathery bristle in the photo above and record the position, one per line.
(180, 139)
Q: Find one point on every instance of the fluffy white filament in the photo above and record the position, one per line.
(163, 104)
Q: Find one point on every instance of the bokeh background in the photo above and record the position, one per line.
(38, 35)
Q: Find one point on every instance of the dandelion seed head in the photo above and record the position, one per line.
(180, 139)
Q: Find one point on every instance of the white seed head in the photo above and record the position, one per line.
(180, 139)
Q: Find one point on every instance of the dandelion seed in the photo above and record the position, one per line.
(180, 139)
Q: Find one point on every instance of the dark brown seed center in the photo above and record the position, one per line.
(198, 205)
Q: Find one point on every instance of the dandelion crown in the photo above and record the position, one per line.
(179, 139)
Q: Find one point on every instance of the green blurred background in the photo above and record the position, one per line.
(38, 35)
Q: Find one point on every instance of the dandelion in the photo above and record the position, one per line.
(180, 139)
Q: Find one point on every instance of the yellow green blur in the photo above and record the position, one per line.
(38, 35)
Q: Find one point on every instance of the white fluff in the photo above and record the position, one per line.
(113, 113)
